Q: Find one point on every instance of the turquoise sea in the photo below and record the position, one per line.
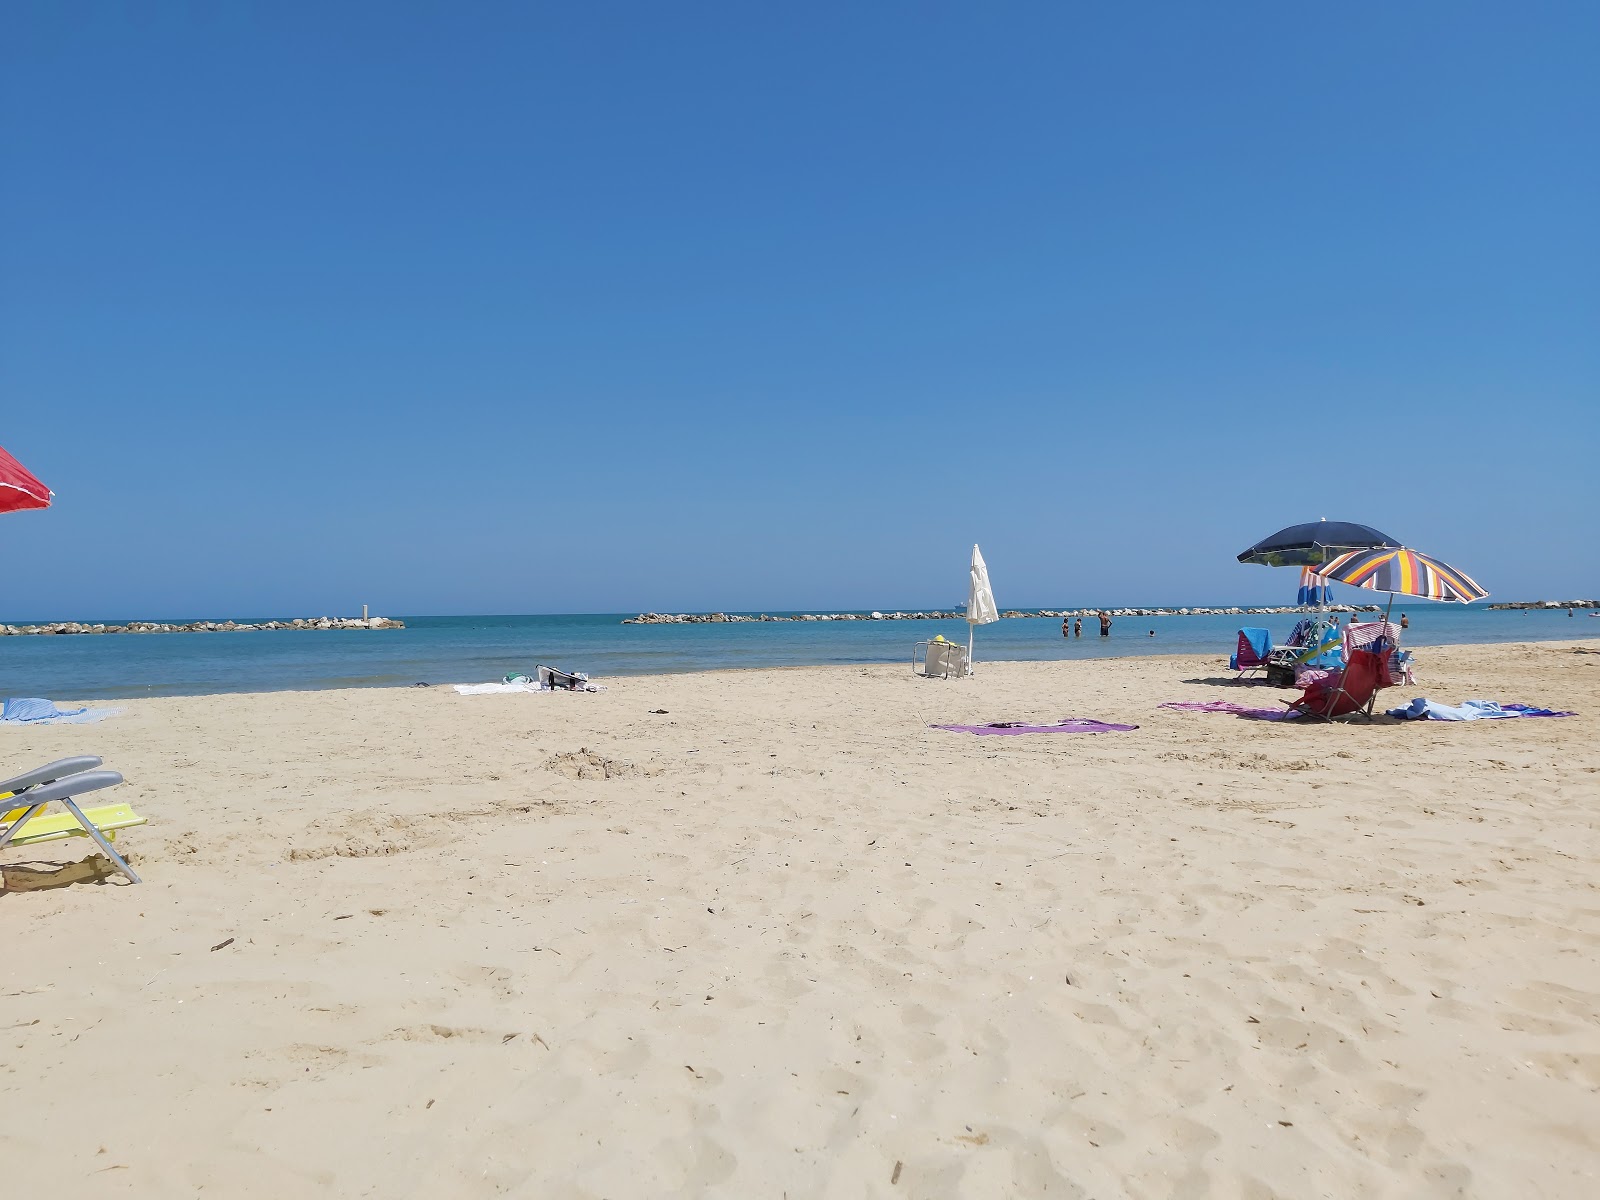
(474, 649)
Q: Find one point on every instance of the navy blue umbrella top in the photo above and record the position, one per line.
(1315, 542)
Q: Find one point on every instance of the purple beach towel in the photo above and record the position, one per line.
(1068, 725)
(1225, 706)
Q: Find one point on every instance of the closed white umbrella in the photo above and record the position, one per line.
(981, 607)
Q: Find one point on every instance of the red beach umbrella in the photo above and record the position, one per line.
(19, 488)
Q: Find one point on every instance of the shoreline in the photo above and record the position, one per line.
(875, 665)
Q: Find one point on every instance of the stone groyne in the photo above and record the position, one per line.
(1550, 604)
(70, 627)
(720, 618)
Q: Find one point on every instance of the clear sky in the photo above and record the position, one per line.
(462, 308)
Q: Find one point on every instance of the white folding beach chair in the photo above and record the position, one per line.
(554, 679)
(25, 797)
(939, 659)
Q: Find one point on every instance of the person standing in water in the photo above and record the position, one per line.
(1077, 627)
(1405, 621)
(1105, 624)
(1066, 626)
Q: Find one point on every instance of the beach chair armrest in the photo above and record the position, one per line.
(51, 772)
(75, 785)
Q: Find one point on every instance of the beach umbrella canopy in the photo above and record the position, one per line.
(19, 488)
(1399, 571)
(1314, 543)
(1314, 588)
(981, 608)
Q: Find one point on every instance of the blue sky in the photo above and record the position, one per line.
(601, 307)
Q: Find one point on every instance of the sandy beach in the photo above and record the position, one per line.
(784, 940)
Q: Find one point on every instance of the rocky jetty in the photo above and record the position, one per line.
(1550, 604)
(1271, 611)
(721, 618)
(70, 627)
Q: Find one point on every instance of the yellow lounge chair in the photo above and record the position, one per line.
(58, 783)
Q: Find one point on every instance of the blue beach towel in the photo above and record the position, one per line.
(1423, 709)
(33, 710)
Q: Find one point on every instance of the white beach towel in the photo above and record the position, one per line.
(499, 689)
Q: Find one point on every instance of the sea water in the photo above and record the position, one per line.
(439, 650)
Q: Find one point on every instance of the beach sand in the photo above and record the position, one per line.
(784, 940)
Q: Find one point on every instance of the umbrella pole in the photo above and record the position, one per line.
(971, 629)
(1322, 599)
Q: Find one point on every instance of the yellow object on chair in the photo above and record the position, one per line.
(60, 825)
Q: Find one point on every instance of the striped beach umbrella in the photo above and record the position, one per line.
(1314, 589)
(1399, 571)
(19, 488)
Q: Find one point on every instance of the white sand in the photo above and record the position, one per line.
(807, 947)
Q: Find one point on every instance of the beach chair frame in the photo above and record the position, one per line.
(60, 783)
(557, 680)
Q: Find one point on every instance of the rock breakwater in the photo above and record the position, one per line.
(76, 627)
(1550, 604)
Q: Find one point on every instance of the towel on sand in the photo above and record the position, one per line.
(520, 684)
(1423, 709)
(34, 710)
(1067, 725)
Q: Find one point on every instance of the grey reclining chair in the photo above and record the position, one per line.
(24, 797)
